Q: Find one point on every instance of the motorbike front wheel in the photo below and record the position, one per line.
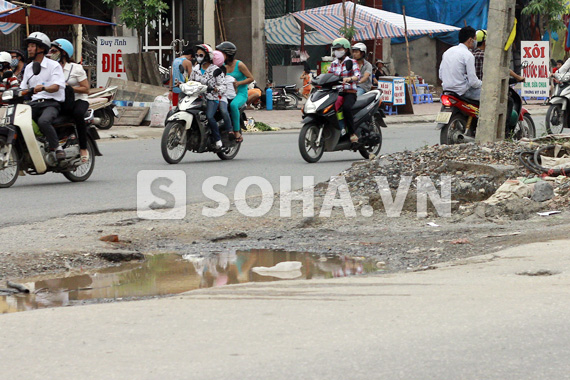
(311, 149)
(174, 141)
(10, 172)
(555, 119)
(84, 171)
(457, 124)
(107, 118)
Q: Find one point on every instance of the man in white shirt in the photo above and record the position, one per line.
(457, 69)
(48, 88)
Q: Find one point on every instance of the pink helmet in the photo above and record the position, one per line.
(218, 59)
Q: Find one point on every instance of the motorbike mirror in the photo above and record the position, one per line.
(36, 68)
(217, 73)
(348, 65)
(7, 74)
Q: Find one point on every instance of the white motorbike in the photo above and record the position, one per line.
(187, 128)
(23, 150)
(558, 114)
(101, 102)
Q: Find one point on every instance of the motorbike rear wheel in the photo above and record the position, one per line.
(458, 122)
(9, 174)
(366, 151)
(230, 153)
(525, 128)
(107, 118)
(308, 142)
(174, 141)
(83, 172)
(555, 119)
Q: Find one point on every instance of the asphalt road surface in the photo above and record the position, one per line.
(113, 185)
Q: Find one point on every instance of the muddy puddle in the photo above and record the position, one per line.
(168, 274)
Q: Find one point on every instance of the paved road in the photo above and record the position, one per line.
(113, 183)
(478, 320)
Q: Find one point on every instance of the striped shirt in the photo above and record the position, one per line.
(9, 83)
(339, 69)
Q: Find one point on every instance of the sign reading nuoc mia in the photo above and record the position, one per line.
(535, 62)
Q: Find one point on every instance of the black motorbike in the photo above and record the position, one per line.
(322, 131)
(286, 97)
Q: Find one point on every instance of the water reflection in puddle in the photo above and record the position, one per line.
(172, 274)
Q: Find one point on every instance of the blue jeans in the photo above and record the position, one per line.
(224, 110)
(360, 91)
(473, 93)
(211, 108)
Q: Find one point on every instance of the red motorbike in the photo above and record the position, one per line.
(458, 119)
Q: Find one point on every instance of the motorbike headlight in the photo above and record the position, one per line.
(7, 95)
(310, 107)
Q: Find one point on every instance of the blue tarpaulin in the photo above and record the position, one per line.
(450, 12)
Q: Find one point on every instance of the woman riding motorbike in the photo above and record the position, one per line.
(62, 51)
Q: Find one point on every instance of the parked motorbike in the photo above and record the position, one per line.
(187, 128)
(558, 114)
(286, 97)
(322, 132)
(101, 102)
(23, 151)
(458, 117)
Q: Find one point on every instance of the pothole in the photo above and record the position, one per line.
(540, 272)
(169, 274)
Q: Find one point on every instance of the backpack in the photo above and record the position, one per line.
(68, 104)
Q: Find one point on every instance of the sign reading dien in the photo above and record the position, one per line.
(110, 52)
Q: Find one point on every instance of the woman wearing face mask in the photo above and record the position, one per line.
(243, 77)
(209, 74)
(350, 76)
(62, 51)
(18, 63)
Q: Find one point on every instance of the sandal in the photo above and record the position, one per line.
(85, 157)
(239, 136)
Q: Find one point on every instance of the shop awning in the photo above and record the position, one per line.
(287, 31)
(329, 19)
(43, 16)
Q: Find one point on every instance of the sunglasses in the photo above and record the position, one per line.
(200, 55)
(53, 50)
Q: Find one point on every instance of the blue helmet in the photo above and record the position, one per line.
(64, 45)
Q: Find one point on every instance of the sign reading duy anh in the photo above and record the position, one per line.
(110, 52)
(535, 61)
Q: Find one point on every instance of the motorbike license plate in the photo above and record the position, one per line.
(443, 117)
(115, 112)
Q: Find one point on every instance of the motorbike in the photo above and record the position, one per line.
(458, 117)
(101, 102)
(286, 97)
(558, 114)
(24, 150)
(187, 128)
(322, 131)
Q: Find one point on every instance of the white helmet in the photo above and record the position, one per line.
(40, 39)
(208, 49)
(359, 46)
(5, 57)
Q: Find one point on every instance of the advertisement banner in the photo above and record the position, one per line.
(399, 91)
(387, 91)
(535, 61)
(110, 52)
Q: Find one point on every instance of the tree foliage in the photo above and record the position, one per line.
(137, 14)
(552, 10)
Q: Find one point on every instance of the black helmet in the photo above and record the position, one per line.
(227, 47)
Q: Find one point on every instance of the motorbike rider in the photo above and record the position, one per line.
(18, 62)
(457, 69)
(365, 81)
(11, 82)
(48, 88)
(350, 77)
(75, 76)
(185, 60)
(243, 77)
(211, 75)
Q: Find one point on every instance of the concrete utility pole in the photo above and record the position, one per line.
(258, 42)
(494, 95)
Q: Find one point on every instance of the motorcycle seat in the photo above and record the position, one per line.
(62, 121)
(288, 86)
(462, 98)
(364, 100)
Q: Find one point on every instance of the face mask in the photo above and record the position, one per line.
(56, 56)
(339, 53)
(14, 62)
(199, 59)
